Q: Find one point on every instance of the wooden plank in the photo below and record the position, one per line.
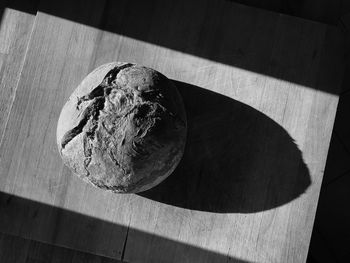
(260, 95)
(15, 29)
(17, 250)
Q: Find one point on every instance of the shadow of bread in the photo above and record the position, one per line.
(237, 159)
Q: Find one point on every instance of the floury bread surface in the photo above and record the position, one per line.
(123, 129)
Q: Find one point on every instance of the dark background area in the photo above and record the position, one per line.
(325, 11)
(331, 233)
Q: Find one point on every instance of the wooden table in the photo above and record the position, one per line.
(260, 91)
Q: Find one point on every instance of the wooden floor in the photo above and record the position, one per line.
(261, 92)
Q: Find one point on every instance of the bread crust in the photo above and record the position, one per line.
(123, 129)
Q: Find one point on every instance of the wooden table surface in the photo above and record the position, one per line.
(260, 91)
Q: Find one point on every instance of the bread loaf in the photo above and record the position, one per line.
(123, 129)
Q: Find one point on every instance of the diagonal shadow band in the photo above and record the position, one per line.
(53, 225)
(237, 160)
(283, 47)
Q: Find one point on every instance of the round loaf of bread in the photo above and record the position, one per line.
(123, 129)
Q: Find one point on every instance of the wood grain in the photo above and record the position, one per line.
(260, 90)
(19, 250)
(15, 30)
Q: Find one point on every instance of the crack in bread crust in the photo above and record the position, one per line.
(98, 95)
(90, 116)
